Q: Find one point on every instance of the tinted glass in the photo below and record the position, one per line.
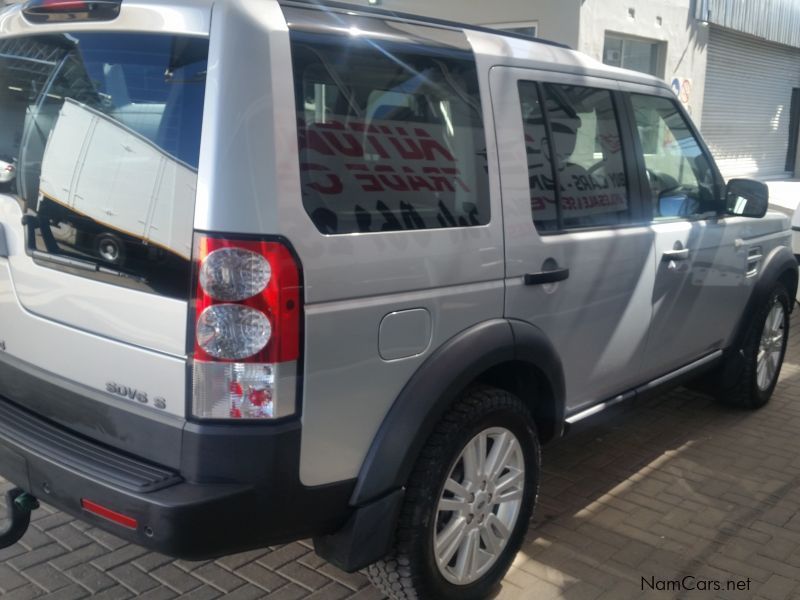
(682, 182)
(391, 137)
(540, 164)
(105, 132)
(583, 145)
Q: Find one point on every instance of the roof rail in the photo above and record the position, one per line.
(371, 10)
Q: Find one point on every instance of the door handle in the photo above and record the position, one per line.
(669, 255)
(546, 276)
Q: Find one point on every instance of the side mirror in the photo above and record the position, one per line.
(746, 198)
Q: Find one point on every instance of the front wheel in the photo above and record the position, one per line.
(763, 352)
(468, 502)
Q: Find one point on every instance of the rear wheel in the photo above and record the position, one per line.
(763, 352)
(467, 504)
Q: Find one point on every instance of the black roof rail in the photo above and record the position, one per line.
(372, 10)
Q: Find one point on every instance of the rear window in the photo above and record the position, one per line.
(391, 136)
(104, 129)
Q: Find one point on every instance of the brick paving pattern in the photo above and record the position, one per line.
(672, 488)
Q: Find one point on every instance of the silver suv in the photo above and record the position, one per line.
(271, 270)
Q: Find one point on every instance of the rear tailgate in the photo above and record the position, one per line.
(103, 123)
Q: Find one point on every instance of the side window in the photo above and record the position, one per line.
(575, 163)
(391, 137)
(682, 182)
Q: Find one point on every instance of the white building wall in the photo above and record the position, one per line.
(669, 21)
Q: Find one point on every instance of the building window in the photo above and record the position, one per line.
(529, 28)
(645, 56)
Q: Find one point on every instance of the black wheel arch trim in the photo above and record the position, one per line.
(779, 261)
(777, 264)
(435, 385)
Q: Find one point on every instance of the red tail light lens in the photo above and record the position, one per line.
(44, 11)
(247, 311)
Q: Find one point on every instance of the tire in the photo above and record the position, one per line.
(753, 385)
(110, 248)
(411, 570)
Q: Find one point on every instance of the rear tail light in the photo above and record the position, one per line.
(45, 11)
(9, 168)
(247, 319)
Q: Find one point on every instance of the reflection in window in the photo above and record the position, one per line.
(681, 179)
(104, 130)
(584, 148)
(391, 138)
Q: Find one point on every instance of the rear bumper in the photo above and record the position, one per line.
(175, 516)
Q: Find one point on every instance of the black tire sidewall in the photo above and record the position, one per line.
(435, 585)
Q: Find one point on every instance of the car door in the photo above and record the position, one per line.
(704, 266)
(579, 263)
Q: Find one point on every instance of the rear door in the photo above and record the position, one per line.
(104, 125)
(579, 262)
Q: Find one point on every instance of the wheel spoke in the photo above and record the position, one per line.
(474, 459)
(466, 556)
(504, 445)
(770, 372)
(492, 541)
(459, 505)
(498, 528)
(777, 317)
(455, 488)
(510, 481)
(514, 494)
(450, 540)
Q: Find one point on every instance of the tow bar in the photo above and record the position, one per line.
(19, 505)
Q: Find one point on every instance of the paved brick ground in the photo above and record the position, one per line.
(674, 487)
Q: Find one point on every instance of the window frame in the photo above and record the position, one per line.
(336, 40)
(516, 27)
(647, 205)
(660, 48)
(636, 209)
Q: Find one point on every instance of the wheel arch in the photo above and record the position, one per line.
(780, 266)
(511, 355)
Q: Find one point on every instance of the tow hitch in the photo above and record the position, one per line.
(19, 505)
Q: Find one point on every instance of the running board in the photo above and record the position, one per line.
(672, 379)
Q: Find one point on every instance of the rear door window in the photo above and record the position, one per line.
(104, 129)
(391, 136)
(575, 157)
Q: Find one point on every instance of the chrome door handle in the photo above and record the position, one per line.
(546, 276)
(670, 255)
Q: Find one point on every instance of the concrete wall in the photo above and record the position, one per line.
(558, 20)
(669, 21)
